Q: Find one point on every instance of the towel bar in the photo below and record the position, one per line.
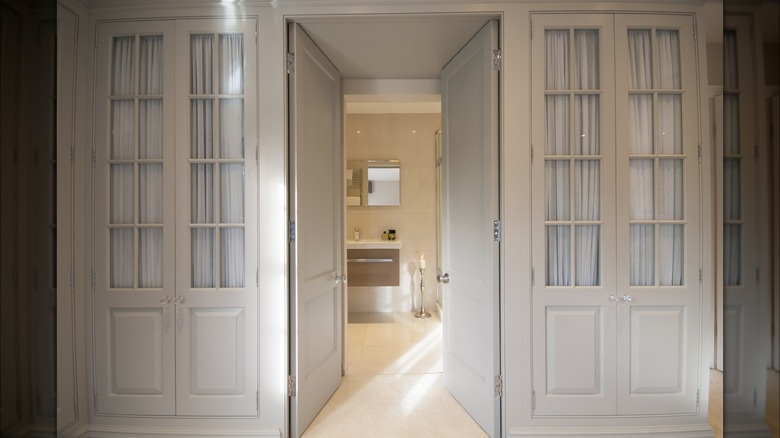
(369, 260)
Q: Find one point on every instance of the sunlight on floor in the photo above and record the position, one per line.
(393, 386)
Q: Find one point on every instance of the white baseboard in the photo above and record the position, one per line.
(677, 431)
(101, 431)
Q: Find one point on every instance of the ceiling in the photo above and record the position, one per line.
(394, 47)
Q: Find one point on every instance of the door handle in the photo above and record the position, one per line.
(443, 278)
(627, 298)
(613, 298)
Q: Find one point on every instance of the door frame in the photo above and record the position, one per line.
(288, 156)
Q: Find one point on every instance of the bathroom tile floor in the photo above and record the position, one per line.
(393, 387)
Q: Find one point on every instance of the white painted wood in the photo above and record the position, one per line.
(469, 206)
(573, 335)
(317, 207)
(659, 333)
(216, 328)
(134, 338)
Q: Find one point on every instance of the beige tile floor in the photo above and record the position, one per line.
(393, 386)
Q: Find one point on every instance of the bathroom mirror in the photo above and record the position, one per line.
(373, 183)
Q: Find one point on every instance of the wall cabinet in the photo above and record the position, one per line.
(175, 295)
(616, 249)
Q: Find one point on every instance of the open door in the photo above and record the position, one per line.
(316, 241)
(469, 85)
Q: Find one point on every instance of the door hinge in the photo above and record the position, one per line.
(701, 274)
(290, 63)
(698, 397)
(499, 384)
(290, 386)
(291, 231)
(533, 400)
(532, 154)
(497, 231)
(698, 152)
(72, 156)
(497, 60)
(533, 274)
(94, 158)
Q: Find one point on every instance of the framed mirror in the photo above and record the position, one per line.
(373, 183)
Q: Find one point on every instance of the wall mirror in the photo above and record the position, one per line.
(373, 183)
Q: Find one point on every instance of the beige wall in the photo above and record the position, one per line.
(409, 138)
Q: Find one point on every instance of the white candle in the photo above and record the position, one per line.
(422, 261)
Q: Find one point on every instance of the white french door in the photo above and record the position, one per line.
(316, 209)
(616, 295)
(175, 305)
(470, 324)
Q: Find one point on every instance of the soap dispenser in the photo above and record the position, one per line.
(357, 234)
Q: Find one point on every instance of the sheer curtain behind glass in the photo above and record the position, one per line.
(573, 145)
(136, 158)
(656, 159)
(217, 174)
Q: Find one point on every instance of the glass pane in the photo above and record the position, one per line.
(232, 195)
(121, 194)
(587, 252)
(670, 254)
(121, 257)
(202, 128)
(151, 65)
(558, 257)
(557, 68)
(232, 129)
(202, 202)
(150, 257)
(640, 124)
(586, 58)
(670, 189)
(150, 194)
(557, 188)
(122, 127)
(587, 190)
(557, 126)
(732, 189)
(641, 183)
(670, 121)
(730, 59)
(587, 139)
(642, 243)
(202, 257)
(732, 254)
(669, 59)
(123, 66)
(232, 257)
(731, 144)
(201, 64)
(232, 64)
(640, 58)
(150, 131)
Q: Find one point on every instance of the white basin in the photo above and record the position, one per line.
(373, 244)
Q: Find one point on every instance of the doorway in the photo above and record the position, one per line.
(470, 78)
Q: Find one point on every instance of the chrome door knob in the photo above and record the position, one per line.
(613, 298)
(627, 298)
(443, 278)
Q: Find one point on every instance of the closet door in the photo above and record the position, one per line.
(133, 220)
(574, 293)
(216, 205)
(659, 208)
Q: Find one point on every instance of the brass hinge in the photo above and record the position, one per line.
(290, 386)
(499, 385)
(290, 63)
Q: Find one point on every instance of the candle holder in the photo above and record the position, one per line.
(422, 313)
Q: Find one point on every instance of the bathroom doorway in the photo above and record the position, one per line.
(469, 79)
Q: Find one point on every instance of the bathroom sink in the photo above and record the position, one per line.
(373, 244)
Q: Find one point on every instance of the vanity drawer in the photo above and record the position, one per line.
(373, 267)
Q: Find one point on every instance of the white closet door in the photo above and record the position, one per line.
(317, 206)
(216, 206)
(471, 356)
(573, 215)
(658, 319)
(133, 198)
